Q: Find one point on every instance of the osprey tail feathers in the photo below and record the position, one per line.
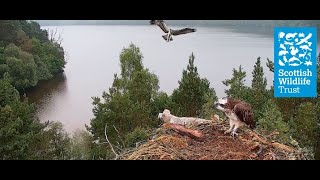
(248, 119)
(165, 37)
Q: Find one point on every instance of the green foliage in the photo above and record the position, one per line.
(142, 86)
(136, 136)
(42, 70)
(289, 106)
(52, 143)
(3, 69)
(193, 92)
(33, 30)
(272, 121)
(207, 108)
(161, 101)
(8, 30)
(259, 92)
(305, 125)
(101, 152)
(18, 127)
(81, 145)
(22, 68)
(317, 146)
(27, 55)
(129, 102)
(59, 141)
(2, 56)
(294, 117)
(302, 116)
(130, 62)
(259, 82)
(23, 41)
(53, 56)
(8, 93)
(318, 75)
(237, 87)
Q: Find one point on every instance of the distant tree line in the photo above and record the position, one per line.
(257, 23)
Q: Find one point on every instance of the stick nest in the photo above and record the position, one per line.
(249, 145)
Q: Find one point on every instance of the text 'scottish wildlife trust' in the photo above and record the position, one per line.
(295, 65)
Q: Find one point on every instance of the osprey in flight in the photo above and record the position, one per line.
(238, 112)
(169, 32)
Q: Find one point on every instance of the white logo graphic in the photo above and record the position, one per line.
(294, 49)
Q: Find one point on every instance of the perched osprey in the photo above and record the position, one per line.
(238, 112)
(170, 32)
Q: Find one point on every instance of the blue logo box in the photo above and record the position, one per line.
(295, 62)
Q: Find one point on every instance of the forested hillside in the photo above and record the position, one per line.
(27, 56)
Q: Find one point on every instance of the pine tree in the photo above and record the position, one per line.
(18, 128)
(81, 145)
(237, 88)
(272, 120)
(207, 108)
(305, 125)
(288, 106)
(193, 92)
(317, 146)
(298, 113)
(160, 102)
(128, 104)
(318, 76)
(259, 91)
(259, 82)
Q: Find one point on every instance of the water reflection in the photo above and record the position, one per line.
(47, 95)
(46, 90)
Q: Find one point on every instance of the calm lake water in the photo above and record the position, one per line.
(93, 58)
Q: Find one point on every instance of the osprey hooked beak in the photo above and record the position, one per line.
(220, 104)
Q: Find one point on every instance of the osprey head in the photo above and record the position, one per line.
(165, 116)
(221, 104)
(152, 22)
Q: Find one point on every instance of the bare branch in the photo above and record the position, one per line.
(55, 32)
(55, 37)
(59, 40)
(119, 136)
(105, 133)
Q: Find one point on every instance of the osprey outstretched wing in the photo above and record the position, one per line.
(161, 24)
(182, 31)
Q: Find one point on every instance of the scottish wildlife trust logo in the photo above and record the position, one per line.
(295, 62)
